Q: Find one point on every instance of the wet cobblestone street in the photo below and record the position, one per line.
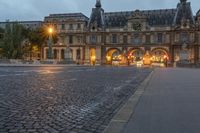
(64, 99)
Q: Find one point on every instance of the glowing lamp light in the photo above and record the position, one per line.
(108, 58)
(50, 30)
(165, 57)
(93, 58)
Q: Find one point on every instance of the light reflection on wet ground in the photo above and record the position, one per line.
(63, 99)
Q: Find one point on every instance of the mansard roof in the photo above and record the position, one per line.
(198, 13)
(116, 19)
(162, 17)
(184, 12)
(66, 16)
(97, 16)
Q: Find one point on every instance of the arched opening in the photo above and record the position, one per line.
(55, 54)
(135, 56)
(47, 53)
(159, 56)
(71, 54)
(62, 54)
(92, 56)
(113, 56)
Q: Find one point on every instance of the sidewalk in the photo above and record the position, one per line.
(42, 65)
(169, 104)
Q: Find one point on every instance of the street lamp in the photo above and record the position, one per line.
(50, 41)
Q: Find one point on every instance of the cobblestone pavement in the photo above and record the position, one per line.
(64, 99)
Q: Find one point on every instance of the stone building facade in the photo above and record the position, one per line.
(127, 36)
(27, 24)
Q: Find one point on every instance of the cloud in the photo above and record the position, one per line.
(37, 9)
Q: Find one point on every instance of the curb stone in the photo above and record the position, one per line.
(119, 121)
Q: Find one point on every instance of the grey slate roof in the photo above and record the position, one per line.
(97, 17)
(162, 17)
(66, 16)
(116, 19)
(184, 11)
(198, 13)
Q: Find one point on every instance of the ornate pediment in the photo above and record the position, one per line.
(137, 14)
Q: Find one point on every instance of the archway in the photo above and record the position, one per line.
(92, 56)
(55, 54)
(113, 56)
(135, 55)
(159, 56)
(62, 54)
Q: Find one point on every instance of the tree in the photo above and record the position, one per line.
(18, 41)
(38, 38)
(12, 41)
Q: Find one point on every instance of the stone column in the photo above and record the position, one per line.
(87, 55)
(45, 54)
(59, 54)
(172, 53)
(98, 54)
(103, 55)
(196, 54)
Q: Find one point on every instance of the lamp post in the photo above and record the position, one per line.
(50, 41)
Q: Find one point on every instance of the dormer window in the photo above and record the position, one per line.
(93, 28)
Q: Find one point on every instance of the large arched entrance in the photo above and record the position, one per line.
(159, 56)
(113, 56)
(135, 55)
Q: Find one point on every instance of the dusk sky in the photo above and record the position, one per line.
(37, 9)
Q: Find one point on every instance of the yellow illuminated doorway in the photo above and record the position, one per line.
(92, 56)
(147, 59)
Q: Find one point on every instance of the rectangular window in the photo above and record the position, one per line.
(102, 39)
(114, 38)
(125, 39)
(93, 39)
(160, 38)
(63, 26)
(148, 39)
(70, 39)
(136, 39)
(1, 36)
(184, 37)
(70, 26)
(79, 39)
(78, 26)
